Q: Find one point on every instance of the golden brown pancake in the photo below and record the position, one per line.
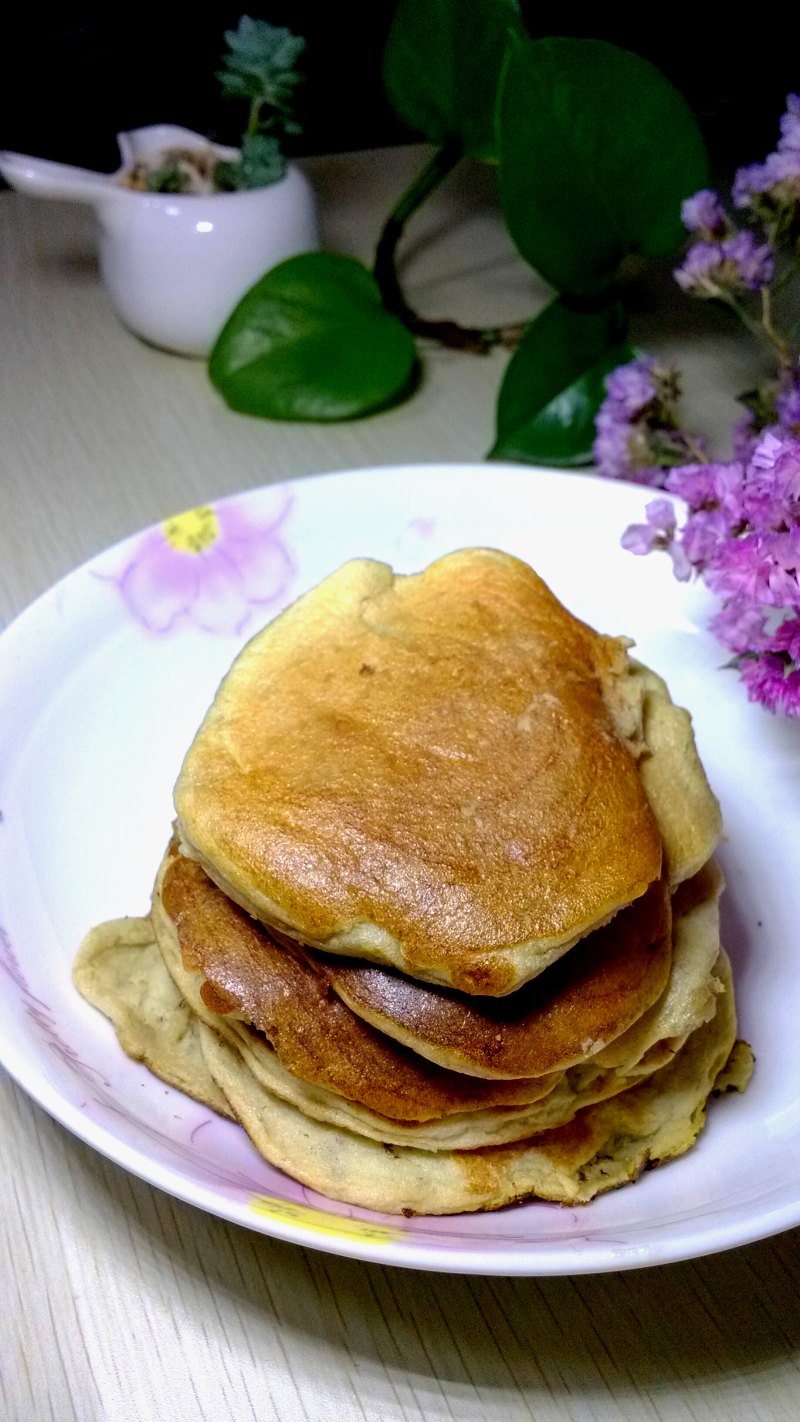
(674, 781)
(470, 1129)
(316, 1037)
(437, 772)
(601, 1148)
(689, 999)
(586, 1000)
(160, 1017)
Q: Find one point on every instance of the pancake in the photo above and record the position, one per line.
(329, 1064)
(436, 772)
(161, 1018)
(226, 965)
(674, 781)
(603, 1147)
(588, 998)
(468, 1129)
(689, 998)
(119, 970)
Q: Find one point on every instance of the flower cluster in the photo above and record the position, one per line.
(725, 261)
(742, 536)
(742, 532)
(771, 190)
(638, 435)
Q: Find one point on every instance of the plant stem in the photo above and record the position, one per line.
(253, 117)
(477, 341)
(788, 274)
(694, 449)
(762, 328)
(779, 341)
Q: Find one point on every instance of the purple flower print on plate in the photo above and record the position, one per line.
(208, 567)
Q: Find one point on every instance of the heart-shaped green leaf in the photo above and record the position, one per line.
(442, 65)
(597, 150)
(554, 384)
(312, 341)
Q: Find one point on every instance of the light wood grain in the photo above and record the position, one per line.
(121, 1303)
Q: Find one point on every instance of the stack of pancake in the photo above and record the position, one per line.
(439, 922)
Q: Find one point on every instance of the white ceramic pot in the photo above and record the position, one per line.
(175, 264)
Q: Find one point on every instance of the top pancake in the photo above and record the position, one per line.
(437, 772)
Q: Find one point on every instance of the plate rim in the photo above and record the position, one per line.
(408, 1250)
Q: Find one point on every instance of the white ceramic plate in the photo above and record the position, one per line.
(102, 684)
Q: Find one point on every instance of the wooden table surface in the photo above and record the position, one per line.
(121, 1302)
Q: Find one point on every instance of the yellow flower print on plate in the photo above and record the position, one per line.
(192, 531)
(286, 1212)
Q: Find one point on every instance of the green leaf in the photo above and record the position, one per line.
(312, 341)
(554, 384)
(597, 150)
(442, 65)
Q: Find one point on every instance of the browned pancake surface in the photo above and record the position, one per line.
(431, 757)
(586, 1000)
(315, 1035)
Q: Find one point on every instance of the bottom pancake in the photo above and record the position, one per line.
(603, 1147)
(120, 970)
(472, 1128)
(466, 1130)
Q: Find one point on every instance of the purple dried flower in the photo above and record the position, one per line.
(746, 568)
(739, 263)
(742, 535)
(641, 538)
(752, 262)
(772, 681)
(772, 496)
(703, 213)
(790, 125)
(637, 431)
(749, 181)
(702, 536)
(707, 486)
(619, 447)
(700, 271)
(657, 532)
(772, 188)
(632, 387)
(741, 626)
(786, 638)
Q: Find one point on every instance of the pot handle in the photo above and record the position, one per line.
(39, 177)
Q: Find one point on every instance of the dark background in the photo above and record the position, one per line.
(71, 82)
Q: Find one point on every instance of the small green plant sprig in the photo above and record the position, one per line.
(595, 151)
(260, 66)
